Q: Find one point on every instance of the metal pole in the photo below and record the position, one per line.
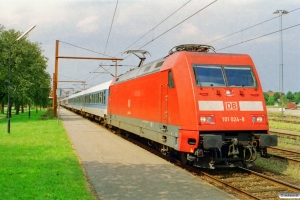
(281, 12)
(55, 79)
(116, 69)
(281, 61)
(8, 92)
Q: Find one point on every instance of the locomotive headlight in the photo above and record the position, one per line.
(202, 119)
(258, 119)
(229, 92)
(207, 119)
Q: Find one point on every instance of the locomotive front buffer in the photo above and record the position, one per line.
(223, 150)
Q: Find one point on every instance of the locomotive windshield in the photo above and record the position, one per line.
(231, 76)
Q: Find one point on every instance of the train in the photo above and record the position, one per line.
(205, 107)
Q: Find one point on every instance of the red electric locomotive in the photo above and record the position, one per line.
(207, 107)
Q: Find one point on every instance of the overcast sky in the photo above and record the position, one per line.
(86, 23)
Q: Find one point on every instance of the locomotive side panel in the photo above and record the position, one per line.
(139, 106)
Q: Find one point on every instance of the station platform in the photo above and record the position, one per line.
(118, 169)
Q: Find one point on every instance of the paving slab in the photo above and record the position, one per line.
(118, 169)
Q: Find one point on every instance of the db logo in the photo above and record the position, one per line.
(231, 105)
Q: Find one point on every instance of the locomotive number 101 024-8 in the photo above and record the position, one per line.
(233, 119)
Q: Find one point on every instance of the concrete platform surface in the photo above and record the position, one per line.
(118, 169)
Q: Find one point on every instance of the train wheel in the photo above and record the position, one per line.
(183, 158)
(125, 134)
(150, 143)
(118, 131)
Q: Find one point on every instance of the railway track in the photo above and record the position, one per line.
(240, 182)
(252, 184)
(286, 120)
(286, 154)
(281, 134)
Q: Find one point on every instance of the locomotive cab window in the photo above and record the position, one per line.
(218, 76)
(209, 75)
(239, 76)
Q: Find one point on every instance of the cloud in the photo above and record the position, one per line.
(189, 32)
(88, 24)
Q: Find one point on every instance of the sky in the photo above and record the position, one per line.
(92, 28)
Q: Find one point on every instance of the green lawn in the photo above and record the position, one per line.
(37, 161)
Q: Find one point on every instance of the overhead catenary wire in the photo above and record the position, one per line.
(69, 77)
(248, 27)
(86, 49)
(258, 37)
(157, 25)
(107, 36)
(169, 29)
(111, 26)
(154, 28)
(174, 26)
(178, 24)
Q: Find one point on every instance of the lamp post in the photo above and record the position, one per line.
(281, 12)
(9, 71)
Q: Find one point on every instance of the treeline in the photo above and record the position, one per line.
(29, 81)
(287, 98)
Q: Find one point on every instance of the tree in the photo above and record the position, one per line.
(29, 80)
(270, 101)
(297, 97)
(285, 100)
(290, 96)
(266, 96)
(276, 96)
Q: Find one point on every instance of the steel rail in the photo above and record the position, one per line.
(277, 182)
(284, 134)
(285, 150)
(206, 175)
(277, 149)
(190, 168)
(285, 120)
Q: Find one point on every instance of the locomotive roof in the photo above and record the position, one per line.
(157, 64)
(148, 68)
(94, 89)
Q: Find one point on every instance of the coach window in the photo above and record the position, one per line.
(104, 97)
(170, 80)
(100, 97)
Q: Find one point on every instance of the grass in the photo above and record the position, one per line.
(279, 166)
(288, 143)
(2, 115)
(279, 115)
(282, 166)
(37, 161)
(285, 126)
